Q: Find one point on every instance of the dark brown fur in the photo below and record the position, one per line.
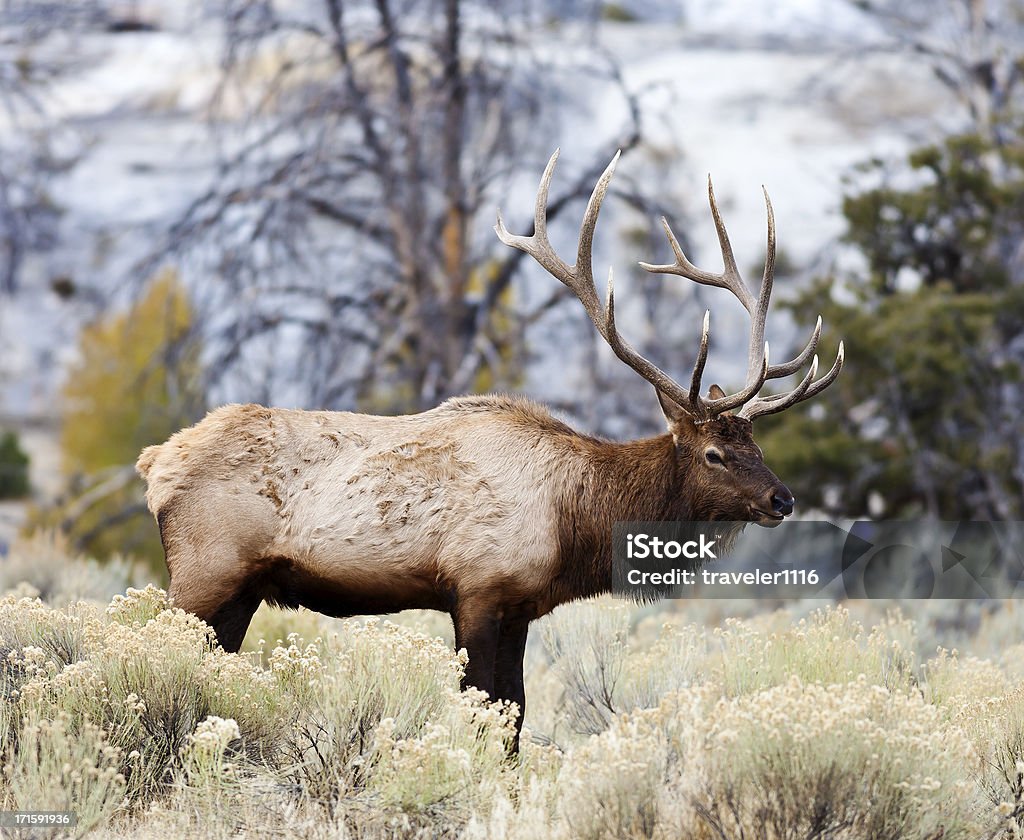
(659, 479)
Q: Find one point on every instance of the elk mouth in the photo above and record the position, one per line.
(766, 519)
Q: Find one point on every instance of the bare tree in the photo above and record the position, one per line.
(975, 48)
(364, 149)
(29, 158)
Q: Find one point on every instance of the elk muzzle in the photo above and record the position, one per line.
(778, 505)
(782, 502)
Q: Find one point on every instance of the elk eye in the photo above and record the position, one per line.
(713, 456)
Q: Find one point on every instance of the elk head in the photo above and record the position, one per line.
(713, 436)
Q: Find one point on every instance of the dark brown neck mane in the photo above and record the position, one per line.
(636, 481)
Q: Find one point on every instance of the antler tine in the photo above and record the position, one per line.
(760, 315)
(580, 279)
(770, 405)
(732, 280)
(731, 401)
(696, 406)
(537, 245)
(830, 377)
(786, 368)
(804, 391)
(584, 251)
(540, 207)
(729, 278)
(682, 266)
(775, 371)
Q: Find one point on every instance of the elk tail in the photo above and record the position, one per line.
(146, 459)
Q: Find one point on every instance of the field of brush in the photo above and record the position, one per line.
(823, 721)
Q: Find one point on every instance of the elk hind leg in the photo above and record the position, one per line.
(232, 619)
(476, 630)
(210, 580)
(508, 669)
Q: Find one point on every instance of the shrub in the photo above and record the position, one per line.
(827, 647)
(43, 565)
(995, 725)
(14, 463)
(35, 642)
(847, 760)
(67, 767)
(134, 718)
(605, 672)
(148, 676)
(612, 786)
(378, 672)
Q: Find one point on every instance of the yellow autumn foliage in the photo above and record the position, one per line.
(136, 381)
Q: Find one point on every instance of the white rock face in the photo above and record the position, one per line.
(754, 93)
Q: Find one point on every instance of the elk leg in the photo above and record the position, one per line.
(508, 669)
(228, 609)
(232, 620)
(476, 630)
(219, 591)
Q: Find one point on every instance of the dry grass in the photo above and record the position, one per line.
(835, 723)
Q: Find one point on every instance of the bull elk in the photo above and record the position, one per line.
(486, 507)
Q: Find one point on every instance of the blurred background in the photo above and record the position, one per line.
(292, 202)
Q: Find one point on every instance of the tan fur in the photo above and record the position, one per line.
(361, 499)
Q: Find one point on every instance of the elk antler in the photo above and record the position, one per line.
(579, 278)
(758, 310)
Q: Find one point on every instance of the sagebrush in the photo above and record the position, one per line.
(840, 723)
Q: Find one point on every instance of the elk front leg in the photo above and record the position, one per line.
(508, 669)
(476, 630)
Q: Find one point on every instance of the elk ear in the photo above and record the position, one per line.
(715, 392)
(679, 420)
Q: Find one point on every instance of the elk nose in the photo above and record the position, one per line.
(783, 503)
